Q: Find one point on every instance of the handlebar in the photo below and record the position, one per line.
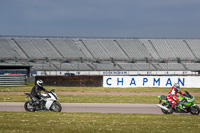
(50, 91)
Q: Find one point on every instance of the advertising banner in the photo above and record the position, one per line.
(151, 81)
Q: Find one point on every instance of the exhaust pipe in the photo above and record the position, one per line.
(163, 107)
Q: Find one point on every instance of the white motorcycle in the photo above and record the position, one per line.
(48, 103)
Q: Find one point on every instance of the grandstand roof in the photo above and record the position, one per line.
(101, 54)
(93, 37)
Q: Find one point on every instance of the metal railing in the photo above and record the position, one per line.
(13, 80)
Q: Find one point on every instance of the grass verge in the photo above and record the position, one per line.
(49, 122)
(93, 99)
(94, 89)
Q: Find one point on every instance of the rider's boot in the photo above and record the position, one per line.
(35, 106)
(175, 109)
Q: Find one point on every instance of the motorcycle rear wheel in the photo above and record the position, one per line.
(56, 107)
(28, 106)
(194, 110)
(165, 111)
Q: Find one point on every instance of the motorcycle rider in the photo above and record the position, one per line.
(36, 92)
(172, 95)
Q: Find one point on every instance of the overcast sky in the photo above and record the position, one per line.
(101, 18)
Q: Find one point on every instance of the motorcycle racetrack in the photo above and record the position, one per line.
(92, 107)
(94, 99)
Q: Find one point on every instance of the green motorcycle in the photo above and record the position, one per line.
(185, 106)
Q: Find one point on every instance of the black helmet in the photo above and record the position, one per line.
(40, 83)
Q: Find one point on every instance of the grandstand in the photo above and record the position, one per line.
(98, 54)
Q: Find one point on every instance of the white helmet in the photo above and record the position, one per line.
(40, 83)
(177, 87)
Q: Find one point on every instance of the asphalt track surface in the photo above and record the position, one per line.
(92, 107)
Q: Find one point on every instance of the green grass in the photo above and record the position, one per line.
(88, 99)
(50, 122)
(93, 99)
(94, 89)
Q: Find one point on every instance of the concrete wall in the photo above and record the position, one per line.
(72, 81)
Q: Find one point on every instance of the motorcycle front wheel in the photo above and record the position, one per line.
(56, 107)
(194, 110)
(28, 106)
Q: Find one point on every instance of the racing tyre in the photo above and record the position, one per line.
(194, 110)
(56, 107)
(165, 111)
(28, 106)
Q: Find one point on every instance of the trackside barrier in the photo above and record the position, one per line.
(151, 81)
(121, 81)
(12, 80)
(72, 81)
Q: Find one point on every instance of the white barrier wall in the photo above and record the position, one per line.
(116, 72)
(151, 81)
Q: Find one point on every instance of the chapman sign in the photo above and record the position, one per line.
(151, 81)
